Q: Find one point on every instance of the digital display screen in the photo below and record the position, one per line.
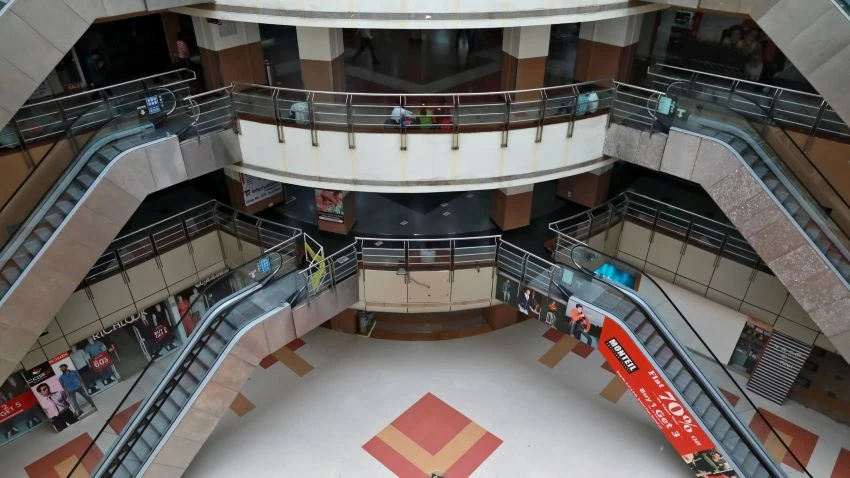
(153, 104)
(264, 265)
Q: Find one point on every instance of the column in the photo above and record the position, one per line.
(336, 210)
(524, 52)
(588, 189)
(321, 53)
(510, 208)
(606, 48)
(230, 51)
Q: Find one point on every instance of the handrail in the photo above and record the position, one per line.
(782, 109)
(195, 335)
(673, 342)
(192, 74)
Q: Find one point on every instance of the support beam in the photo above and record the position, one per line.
(524, 52)
(321, 54)
(510, 208)
(606, 48)
(230, 51)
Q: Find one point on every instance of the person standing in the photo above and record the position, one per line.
(183, 57)
(72, 384)
(56, 407)
(366, 42)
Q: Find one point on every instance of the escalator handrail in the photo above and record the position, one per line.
(683, 355)
(232, 342)
(794, 181)
(660, 370)
(56, 190)
(222, 306)
(819, 217)
(201, 296)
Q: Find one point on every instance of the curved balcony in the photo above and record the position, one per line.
(461, 142)
(414, 15)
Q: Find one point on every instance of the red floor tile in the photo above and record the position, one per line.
(476, 455)
(45, 467)
(431, 423)
(392, 459)
(582, 350)
(553, 334)
(842, 465)
(730, 397)
(268, 361)
(295, 345)
(120, 420)
(803, 441)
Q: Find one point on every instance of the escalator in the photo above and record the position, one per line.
(52, 212)
(788, 192)
(814, 35)
(672, 347)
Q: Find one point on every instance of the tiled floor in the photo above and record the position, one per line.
(479, 406)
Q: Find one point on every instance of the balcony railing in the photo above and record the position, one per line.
(402, 114)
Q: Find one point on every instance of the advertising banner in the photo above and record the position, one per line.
(101, 362)
(661, 402)
(317, 258)
(256, 189)
(17, 405)
(507, 290)
(329, 205)
(58, 388)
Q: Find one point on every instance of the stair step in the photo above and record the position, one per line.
(64, 206)
(75, 192)
(11, 273)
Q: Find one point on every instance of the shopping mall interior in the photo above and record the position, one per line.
(378, 238)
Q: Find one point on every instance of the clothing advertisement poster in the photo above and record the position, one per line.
(329, 205)
(256, 189)
(153, 327)
(19, 409)
(529, 302)
(661, 402)
(507, 290)
(95, 364)
(73, 383)
(51, 396)
(191, 306)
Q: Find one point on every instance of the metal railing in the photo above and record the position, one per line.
(210, 111)
(42, 120)
(403, 113)
(806, 112)
(151, 241)
(323, 273)
(720, 238)
(405, 255)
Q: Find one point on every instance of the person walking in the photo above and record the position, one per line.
(366, 42)
(72, 384)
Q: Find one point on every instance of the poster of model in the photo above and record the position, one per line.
(507, 290)
(256, 189)
(529, 301)
(63, 406)
(329, 205)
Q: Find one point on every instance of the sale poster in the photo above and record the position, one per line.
(661, 402)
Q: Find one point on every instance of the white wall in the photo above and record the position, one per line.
(718, 325)
(377, 164)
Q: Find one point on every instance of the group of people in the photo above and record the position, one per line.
(763, 58)
(428, 117)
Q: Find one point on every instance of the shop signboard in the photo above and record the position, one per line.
(329, 205)
(256, 189)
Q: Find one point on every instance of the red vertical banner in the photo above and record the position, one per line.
(661, 402)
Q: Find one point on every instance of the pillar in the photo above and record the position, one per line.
(606, 48)
(251, 194)
(230, 51)
(588, 189)
(321, 53)
(524, 52)
(510, 208)
(336, 211)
